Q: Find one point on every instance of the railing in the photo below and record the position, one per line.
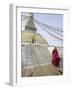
(23, 43)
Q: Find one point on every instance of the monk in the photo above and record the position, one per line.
(55, 57)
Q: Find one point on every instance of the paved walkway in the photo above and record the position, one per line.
(48, 70)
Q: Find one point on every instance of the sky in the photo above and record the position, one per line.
(54, 20)
(50, 19)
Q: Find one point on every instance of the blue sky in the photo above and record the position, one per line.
(50, 19)
(55, 20)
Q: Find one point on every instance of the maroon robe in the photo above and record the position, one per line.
(55, 58)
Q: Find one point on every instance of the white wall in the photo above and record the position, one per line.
(4, 43)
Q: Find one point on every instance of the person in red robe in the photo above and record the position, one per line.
(55, 57)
